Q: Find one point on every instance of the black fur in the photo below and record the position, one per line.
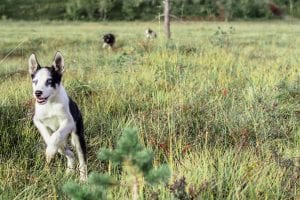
(56, 76)
(150, 31)
(109, 39)
(77, 117)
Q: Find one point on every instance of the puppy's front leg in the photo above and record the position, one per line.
(58, 139)
(43, 130)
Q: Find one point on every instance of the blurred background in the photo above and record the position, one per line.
(94, 10)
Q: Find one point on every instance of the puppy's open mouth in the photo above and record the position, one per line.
(41, 100)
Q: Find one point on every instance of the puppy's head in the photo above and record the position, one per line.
(45, 80)
(148, 31)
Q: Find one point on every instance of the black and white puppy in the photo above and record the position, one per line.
(56, 114)
(109, 40)
(150, 33)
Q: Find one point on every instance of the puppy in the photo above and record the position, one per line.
(108, 40)
(150, 34)
(56, 115)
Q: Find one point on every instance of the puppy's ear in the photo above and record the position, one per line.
(33, 64)
(58, 63)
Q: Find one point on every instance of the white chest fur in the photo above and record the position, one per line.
(51, 114)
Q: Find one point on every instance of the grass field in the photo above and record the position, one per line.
(219, 103)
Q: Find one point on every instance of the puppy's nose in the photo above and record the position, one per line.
(38, 93)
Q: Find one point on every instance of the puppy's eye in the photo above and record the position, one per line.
(34, 82)
(49, 82)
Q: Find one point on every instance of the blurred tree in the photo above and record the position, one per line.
(104, 7)
(275, 9)
(72, 7)
(131, 8)
(145, 9)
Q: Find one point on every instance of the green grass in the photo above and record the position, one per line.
(222, 109)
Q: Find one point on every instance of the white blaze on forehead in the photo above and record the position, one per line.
(42, 75)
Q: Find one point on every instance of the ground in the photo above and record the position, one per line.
(219, 103)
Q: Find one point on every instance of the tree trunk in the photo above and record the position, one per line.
(167, 18)
(135, 188)
(291, 8)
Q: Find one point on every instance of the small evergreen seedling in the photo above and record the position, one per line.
(135, 160)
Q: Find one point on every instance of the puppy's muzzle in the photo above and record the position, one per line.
(38, 93)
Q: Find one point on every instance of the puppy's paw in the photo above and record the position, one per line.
(50, 153)
(70, 171)
(83, 173)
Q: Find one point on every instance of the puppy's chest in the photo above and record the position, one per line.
(51, 116)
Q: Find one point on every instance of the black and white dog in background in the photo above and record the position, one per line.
(57, 115)
(150, 34)
(109, 40)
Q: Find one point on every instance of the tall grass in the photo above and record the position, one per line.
(221, 109)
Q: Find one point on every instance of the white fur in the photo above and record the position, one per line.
(33, 64)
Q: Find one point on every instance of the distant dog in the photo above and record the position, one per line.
(109, 40)
(56, 114)
(150, 33)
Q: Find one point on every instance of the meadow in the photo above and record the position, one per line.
(219, 103)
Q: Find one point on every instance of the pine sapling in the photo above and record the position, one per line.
(134, 159)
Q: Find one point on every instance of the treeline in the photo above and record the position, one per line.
(146, 9)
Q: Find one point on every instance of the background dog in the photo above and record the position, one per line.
(109, 40)
(57, 115)
(150, 33)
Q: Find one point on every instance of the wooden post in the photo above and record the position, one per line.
(167, 18)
